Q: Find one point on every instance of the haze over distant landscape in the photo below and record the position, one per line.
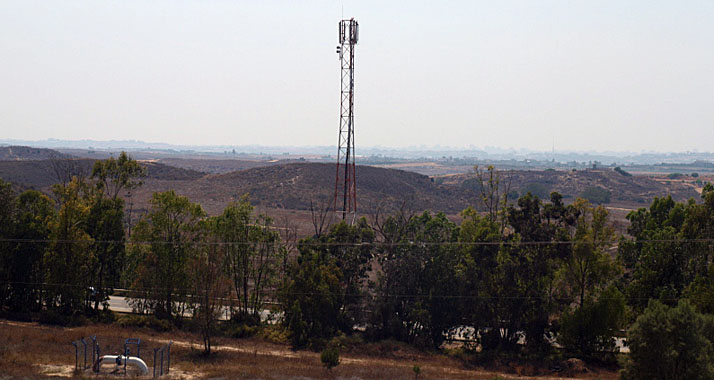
(468, 189)
(578, 76)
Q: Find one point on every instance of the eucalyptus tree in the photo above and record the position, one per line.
(164, 242)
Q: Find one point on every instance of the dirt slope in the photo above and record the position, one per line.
(15, 153)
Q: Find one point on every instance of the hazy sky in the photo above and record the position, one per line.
(587, 75)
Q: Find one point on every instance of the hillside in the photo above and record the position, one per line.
(628, 191)
(40, 174)
(294, 186)
(17, 153)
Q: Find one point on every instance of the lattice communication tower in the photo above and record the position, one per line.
(345, 186)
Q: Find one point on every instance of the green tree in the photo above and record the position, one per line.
(414, 296)
(69, 258)
(524, 290)
(589, 329)
(34, 214)
(7, 196)
(670, 343)
(596, 194)
(252, 255)
(658, 263)
(312, 297)
(116, 175)
(350, 247)
(211, 284)
(106, 220)
(163, 244)
(589, 267)
(585, 275)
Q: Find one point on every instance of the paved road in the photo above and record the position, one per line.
(121, 304)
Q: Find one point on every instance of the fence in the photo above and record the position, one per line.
(80, 345)
(163, 352)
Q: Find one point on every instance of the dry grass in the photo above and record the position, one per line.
(29, 350)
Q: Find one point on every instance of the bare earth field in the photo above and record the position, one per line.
(30, 350)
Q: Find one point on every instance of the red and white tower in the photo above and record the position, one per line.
(345, 186)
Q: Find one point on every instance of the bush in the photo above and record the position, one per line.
(242, 331)
(675, 175)
(330, 357)
(619, 170)
(596, 195)
(588, 331)
(275, 334)
(52, 317)
(536, 189)
(695, 175)
(670, 343)
(148, 321)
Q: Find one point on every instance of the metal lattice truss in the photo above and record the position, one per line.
(345, 185)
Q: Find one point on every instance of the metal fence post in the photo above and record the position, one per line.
(154, 362)
(85, 353)
(168, 359)
(95, 349)
(76, 355)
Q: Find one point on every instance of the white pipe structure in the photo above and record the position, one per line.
(112, 359)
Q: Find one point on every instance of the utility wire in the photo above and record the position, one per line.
(362, 244)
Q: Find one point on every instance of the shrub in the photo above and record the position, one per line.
(589, 330)
(53, 317)
(275, 334)
(675, 175)
(537, 189)
(242, 331)
(417, 371)
(619, 170)
(670, 343)
(596, 195)
(695, 175)
(148, 321)
(330, 357)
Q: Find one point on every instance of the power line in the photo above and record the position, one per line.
(354, 295)
(361, 244)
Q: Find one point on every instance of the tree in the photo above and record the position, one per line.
(163, 244)
(210, 284)
(351, 248)
(590, 328)
(252, 253)
(588, 269)
(492, 195)
(115, 175)
(68, 259)
(106, 220)
(659, 265)
(524, 290)
(596, 194)
(479, 238)
(670, 343)
(312, 297)
(586, 272)
(34, 214)
(413, 300)
(7, 196)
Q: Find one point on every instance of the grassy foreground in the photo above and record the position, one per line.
(31, 350)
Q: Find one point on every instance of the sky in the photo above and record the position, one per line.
(570, 75)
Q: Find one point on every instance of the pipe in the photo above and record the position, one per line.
(112, 359)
